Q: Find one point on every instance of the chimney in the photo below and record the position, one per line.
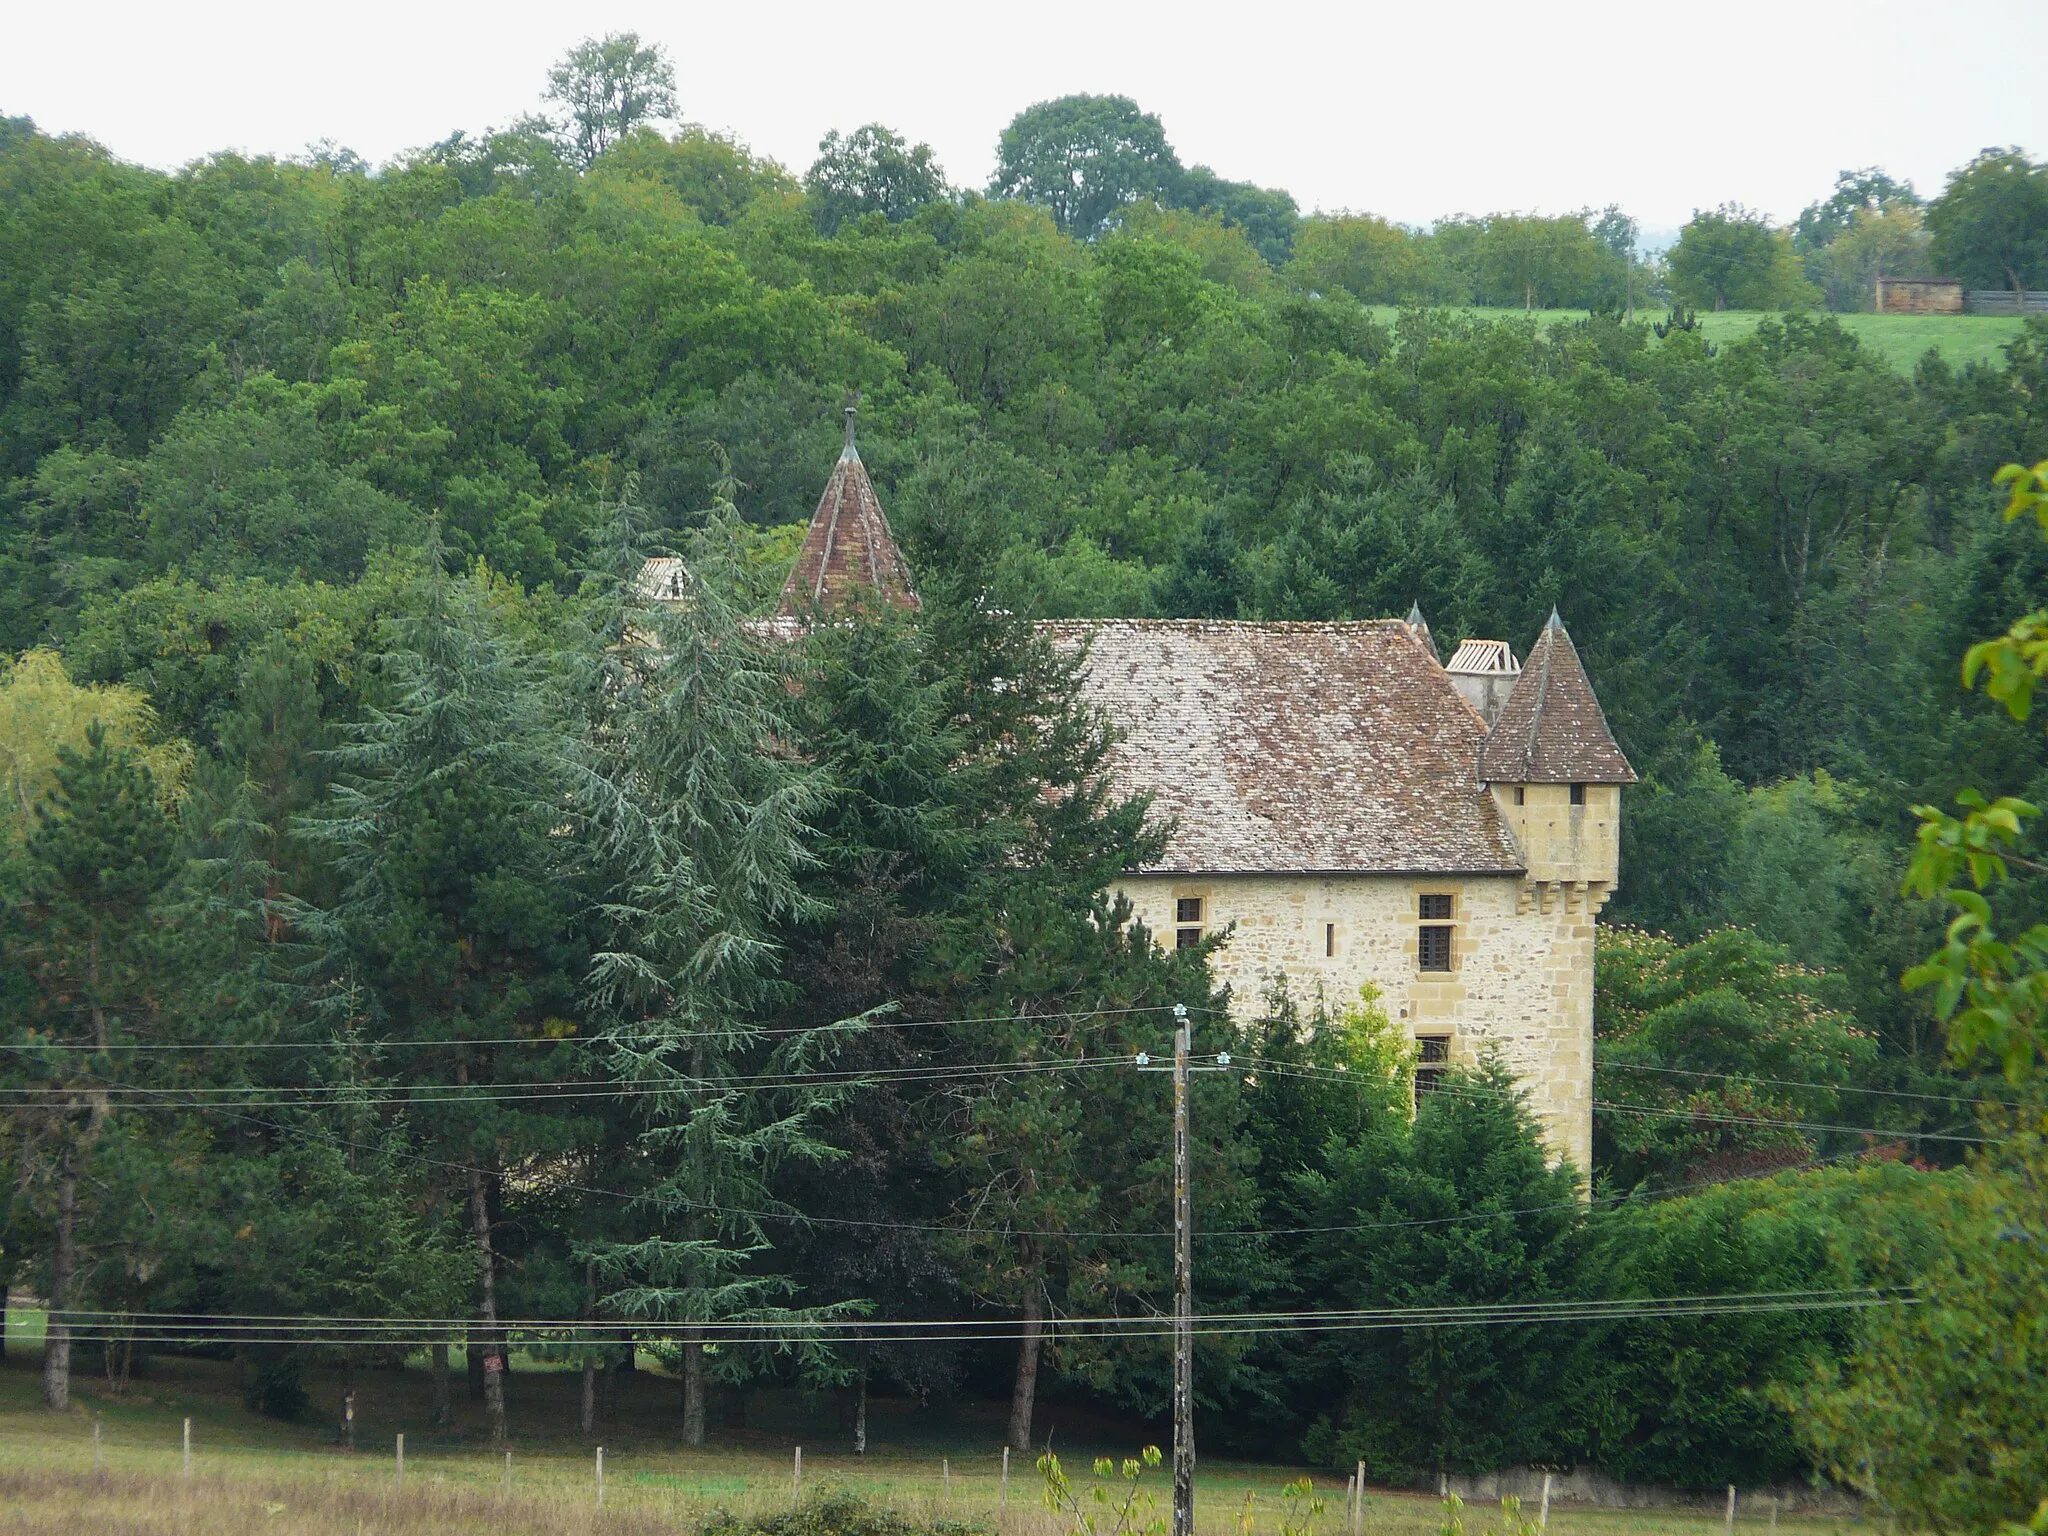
(1484, 673)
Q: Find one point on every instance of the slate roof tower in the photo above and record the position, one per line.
(1552, 729)
(849, 554)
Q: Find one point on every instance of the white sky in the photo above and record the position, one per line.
(1410, 110)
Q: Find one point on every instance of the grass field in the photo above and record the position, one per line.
(1901, 340)
(252, 1474)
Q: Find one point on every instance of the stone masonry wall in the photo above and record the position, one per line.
(1521, 972)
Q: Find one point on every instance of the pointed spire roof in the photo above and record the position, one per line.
(1418, 626)
(849, 554)
(1552, 729)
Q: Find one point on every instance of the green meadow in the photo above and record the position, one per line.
(1901, 340)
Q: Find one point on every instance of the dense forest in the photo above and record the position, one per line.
(404, 920)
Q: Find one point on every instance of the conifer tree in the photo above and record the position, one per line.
(455, 930)
(97, 862)
(695, 815)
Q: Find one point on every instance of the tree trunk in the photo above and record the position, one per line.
(63, 1260)
(1025, 1393)
(860, 1415)
(444, 1412)
(693, 1386)
(589, 1395)
(473, 1365)
(487, 1306)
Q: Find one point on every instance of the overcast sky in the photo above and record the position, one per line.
(1410, 110)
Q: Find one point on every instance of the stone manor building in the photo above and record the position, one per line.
(1346, 809)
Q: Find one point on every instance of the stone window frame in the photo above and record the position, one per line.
(1432, 1061)
(1187, 934)
(1436, 932)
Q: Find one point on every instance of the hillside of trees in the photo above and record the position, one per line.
(404, 921)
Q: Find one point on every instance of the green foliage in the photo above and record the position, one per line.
(835, 1512)
(1704, 1048)
(1990, 224)
(1127, 1510)
(1937, 1417)
(1460, 1206)
(1857, 196)
(1732, 258)
(1698, 1401)
(1081, 158)
(871, 170)
(606, 87)
(1990, 978)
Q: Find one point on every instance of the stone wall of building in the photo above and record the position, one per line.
(1565, 843)
(1521, 972)
(1919, 296)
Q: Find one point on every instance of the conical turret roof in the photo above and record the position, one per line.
(1552, 729)
(849, 554)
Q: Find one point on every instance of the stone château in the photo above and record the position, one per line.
(1344, 809)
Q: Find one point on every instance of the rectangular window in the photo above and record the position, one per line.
(1329, 940)
(1432, 1061)
(1578, 794)
(1436, 908)
(1433, 949)
(1187, 938)
(1521, 795)
(1188, 909)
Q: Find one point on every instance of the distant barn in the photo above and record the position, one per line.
(1948, 296)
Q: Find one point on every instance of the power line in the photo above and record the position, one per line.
(852, 1026)
(1487, 1313)
(401, 1094)
(1314, 1074)
(1793, 1082)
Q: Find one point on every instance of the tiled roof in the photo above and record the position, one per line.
(849, 553)
(1295, 748)
(1552, 729)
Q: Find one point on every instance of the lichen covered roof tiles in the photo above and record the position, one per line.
(1295, 748)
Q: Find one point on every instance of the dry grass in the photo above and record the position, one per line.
(252, 1474)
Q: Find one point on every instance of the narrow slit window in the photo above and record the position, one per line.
(1329, 940)
(1521, 795)
(1578, 794)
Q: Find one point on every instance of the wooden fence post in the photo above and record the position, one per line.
(1731, 1510)
(1543, 1517)
(188, 1448)
(600, 1477)
(1003, 1498)
(401, 1460)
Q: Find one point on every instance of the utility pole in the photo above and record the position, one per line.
(1183, 1268)
(1183, 1291)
